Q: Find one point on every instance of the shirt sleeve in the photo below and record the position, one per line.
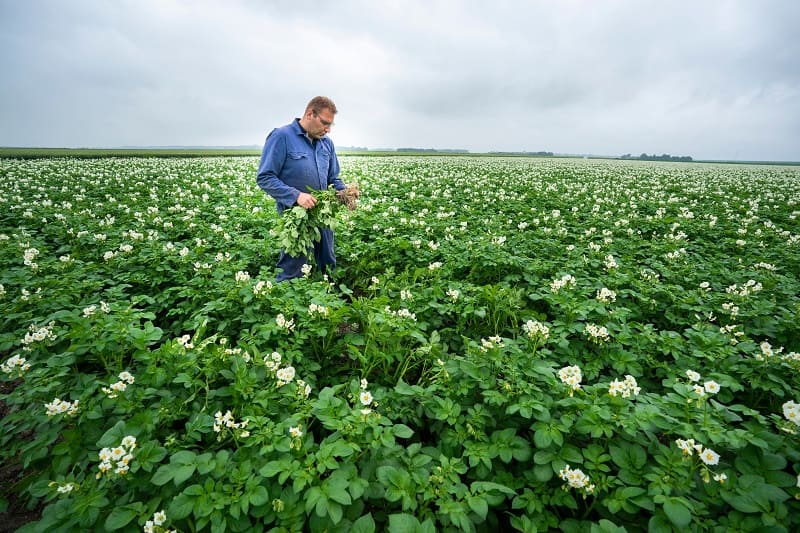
(333, 170)
(273, 157)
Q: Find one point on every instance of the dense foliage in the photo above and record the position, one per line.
(507, 344)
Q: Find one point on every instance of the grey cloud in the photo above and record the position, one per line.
(613, 77)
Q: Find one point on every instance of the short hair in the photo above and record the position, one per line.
(318, 103)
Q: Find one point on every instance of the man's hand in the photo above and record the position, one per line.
(306, 200)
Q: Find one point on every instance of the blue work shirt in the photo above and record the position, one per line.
(291, 162)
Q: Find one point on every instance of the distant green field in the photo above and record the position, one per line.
(32, 153)
(27, 153)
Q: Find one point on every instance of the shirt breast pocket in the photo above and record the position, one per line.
(297, 156)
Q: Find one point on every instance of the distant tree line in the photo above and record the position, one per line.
(447, 150)
(662, 157)
(524, 153)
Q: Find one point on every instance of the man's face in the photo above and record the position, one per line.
(320, 124)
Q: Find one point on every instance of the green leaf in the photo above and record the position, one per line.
(272, 468)
(113, 437)
(183, 457)
(335, 511)
(403, 523)
(478, 505)
(259, 496)
(162, 475)
(365, 524)
(402, 431)
(121, 516)
(629, 456)
(182, 473)
(542, 438)
(181, 506)
(677, 512)
(313, 495)
(488, 486)
(741, 502)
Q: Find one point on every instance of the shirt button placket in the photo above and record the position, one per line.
(319, 167)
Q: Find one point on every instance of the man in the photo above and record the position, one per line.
(295, 157)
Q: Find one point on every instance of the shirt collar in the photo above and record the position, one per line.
(298, 128)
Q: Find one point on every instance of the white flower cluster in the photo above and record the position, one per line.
(745, 290)
(321, 310)
(242, 276)
(92, 309)
(125, 379)
(733, 332)
(28, 257)
(610, 262)
(453, 294)
(306, 269)
(401, 313)
(58, 406)
(625, 388)
(567, 281)
(117, 460)
(303, 388)
(731, 309)
(295, 432)
(36, 334)
(15, 366)
(185, 341)
(708, 387)
(491, 343)
(765, 266)
(272, 361)
(606, 296)
(791, 410)
(155, 524)
(597, 333)
(767, 352)
(535, 330)
(708, 456)
(64, 488)
(576, 479)
(262, 287)
(436, 265)
(2, 290)
(572, 376)
(285, 375)
(238, 351)
(282, 323)
(365, 398)
(227, 421)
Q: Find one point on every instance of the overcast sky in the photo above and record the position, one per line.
(709, 79)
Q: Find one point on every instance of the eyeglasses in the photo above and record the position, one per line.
(326, 123)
